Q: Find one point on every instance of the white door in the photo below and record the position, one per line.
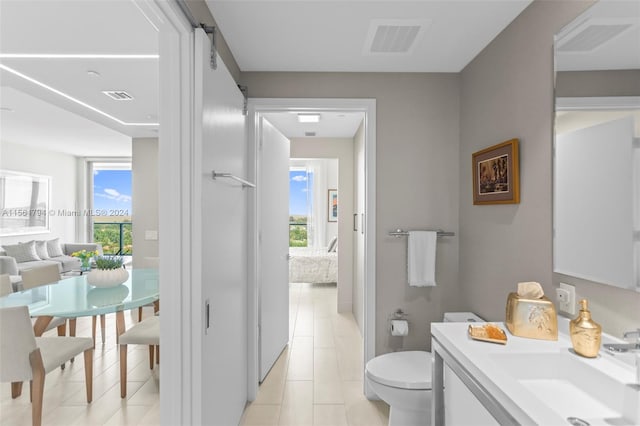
(273, 246)
(220, 223)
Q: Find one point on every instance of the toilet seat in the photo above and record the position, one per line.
(404, 370)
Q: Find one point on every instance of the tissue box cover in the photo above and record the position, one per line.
(532, 318)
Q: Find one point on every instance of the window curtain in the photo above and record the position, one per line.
(317, 203)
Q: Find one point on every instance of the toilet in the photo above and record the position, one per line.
(403, 380)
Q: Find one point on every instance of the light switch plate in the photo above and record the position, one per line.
(566, 297)
(151, 235)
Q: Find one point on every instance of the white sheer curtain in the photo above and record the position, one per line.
(317, 205)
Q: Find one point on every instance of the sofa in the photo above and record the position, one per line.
(15, 258)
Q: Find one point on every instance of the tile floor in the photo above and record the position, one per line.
(65, 400)
(318, 379)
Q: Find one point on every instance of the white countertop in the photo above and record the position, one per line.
(480, 361)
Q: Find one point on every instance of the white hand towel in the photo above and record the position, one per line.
(421, 255)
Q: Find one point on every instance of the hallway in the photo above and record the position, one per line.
(318, 379)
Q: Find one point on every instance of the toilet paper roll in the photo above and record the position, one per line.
(399, 327)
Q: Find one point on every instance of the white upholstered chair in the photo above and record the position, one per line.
(40, 276)
(26, 357)
(5, 285)
(146, 332)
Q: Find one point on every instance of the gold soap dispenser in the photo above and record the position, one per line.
(586, 334)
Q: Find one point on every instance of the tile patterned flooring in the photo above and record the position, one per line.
(318, 379)
(65, 400)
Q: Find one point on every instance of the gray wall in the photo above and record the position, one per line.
(598, 83)
(62, 170)
(144, 177)
(417, 180)
(507, 92)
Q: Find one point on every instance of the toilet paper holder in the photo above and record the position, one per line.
(398, 314)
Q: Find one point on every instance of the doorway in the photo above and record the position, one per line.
(258, 108)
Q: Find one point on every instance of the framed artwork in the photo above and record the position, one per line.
(333, 205)
(496, 178)
(24, 203)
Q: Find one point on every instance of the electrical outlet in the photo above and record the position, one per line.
(566, 297)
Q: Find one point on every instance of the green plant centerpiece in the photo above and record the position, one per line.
(109, 272)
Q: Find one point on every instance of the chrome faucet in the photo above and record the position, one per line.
(626, 347)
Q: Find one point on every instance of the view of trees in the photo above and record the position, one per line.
(297, 231)
(108, 234)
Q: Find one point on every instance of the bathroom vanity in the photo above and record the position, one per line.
(528, 382)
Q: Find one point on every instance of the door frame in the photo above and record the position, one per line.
(179, 402)
(257, 107)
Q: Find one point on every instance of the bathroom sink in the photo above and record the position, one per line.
(596, 391)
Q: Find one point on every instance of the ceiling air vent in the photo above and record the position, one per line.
(118, 95)
(592, 36)
(309, 133)
(396, 36)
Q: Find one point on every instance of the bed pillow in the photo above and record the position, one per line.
(41, 250)
(333, 244)
(53, 248)
(22, 252)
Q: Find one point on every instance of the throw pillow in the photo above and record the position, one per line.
(332, 245)
(41, 250)
(53, 248)
(23, 252)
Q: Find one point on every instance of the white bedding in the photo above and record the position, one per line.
(312, 265)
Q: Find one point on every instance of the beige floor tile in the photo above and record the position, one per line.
(260, 415)
(327, 392)
(128, 415)
(329, 415)
(325, 365)
(301, 359)
(323, 333)
(152, 418)
(297, 404)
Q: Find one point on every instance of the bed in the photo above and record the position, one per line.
(312, 265)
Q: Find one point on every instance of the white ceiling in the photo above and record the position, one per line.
(331, 124)
(322, 35)
(91, 29)
(264, 35)
(620, 52)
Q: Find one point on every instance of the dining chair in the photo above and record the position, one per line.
(40, 276)
(26, 357)
(146, 332)
(5, 285)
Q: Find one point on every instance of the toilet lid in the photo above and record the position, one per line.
(405, 370)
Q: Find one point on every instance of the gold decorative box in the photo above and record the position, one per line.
(532, 318)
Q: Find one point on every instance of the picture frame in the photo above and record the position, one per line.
(24, 203)
(496, 174)
(332, 204)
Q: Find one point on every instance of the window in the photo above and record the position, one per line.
(111, 207)
(300, 205)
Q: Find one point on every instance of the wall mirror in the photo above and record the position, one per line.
(596, 212)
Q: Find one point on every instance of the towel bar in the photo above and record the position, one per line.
(402, 233)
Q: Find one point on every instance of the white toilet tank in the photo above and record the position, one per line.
(461, 317)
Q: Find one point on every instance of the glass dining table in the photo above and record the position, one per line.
(73, 297)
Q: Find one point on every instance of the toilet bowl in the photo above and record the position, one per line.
(403, 380)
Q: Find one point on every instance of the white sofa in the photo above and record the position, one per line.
(15, 258)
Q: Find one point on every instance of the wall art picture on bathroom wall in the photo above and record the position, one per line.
(496, 177)
(333, 205)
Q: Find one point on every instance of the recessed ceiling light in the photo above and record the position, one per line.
(93, 73)
(308, 118)
(6, 109)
